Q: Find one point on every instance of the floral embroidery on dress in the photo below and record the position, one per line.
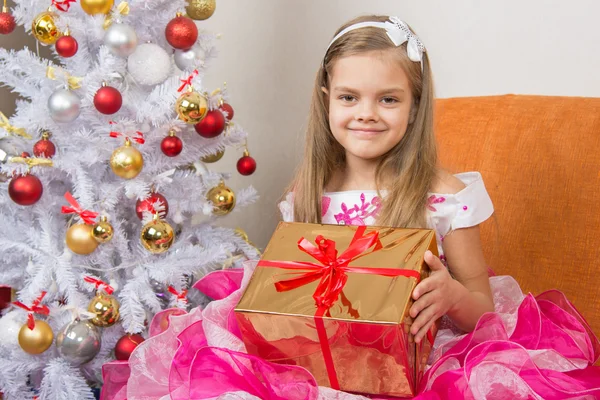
(359, 213)
(433, 199)
(443, 260)
(325, 203)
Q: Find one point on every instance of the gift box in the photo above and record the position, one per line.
(335, 300)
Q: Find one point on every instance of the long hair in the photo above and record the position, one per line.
(408, 169)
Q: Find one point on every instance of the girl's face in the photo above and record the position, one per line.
(370, 104)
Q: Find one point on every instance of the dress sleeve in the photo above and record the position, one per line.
(469, 207)
(474, 205)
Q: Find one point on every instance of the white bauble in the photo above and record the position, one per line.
(149, 64)
(10, 325)
(187, 60)
(64, 106)
(121, 39)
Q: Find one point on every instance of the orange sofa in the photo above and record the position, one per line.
(540, 161)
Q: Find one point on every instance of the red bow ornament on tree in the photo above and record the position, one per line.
(35, 308)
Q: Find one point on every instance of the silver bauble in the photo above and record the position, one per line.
(188, 60)
(78, 342)
(149, 64)
(64, 106)
(121, 39)
(160, 291)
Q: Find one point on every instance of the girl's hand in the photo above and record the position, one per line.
(434, 296)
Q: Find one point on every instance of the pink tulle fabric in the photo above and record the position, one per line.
(530, 348)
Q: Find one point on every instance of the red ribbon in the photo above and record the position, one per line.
(430, 337)
(332, 273)
(180, 296)
(63, 5)
(106, 287)
(139, 136)
(86, 215)
(187, 81)
(35, 308)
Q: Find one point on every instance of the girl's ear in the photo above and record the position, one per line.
(325, 90)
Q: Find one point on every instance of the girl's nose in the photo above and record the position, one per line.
(366, 112)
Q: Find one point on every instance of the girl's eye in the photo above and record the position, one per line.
(389, 100)
(347, 97)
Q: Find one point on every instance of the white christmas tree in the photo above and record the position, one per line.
(96, 230)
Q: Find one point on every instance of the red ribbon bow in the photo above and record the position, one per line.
(188, 81)
(86, 215)
(106, 287)
(63, 5)
(332, 270)
(332, 273)
(139, 136)
(180, 296)
(35, 308)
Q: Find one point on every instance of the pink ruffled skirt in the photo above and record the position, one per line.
(530, 348)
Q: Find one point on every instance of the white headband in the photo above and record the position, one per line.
(398, 32)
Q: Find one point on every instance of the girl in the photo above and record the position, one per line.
(371, 130)
(371, 159)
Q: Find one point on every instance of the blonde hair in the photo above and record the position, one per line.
(409, 168)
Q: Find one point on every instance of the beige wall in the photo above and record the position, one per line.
(270, 50)
(16, 40)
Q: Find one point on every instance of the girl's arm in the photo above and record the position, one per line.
(463, 299)
(464, 255)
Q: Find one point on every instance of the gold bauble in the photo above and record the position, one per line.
(102, 231)
(44, 28)
(157, 236)
(191, 107)
(38, 340)
(106, 309)
(127, 161)
(80, 240)
(222, 198)
(213, 157)
(201, 9)
(92, 7)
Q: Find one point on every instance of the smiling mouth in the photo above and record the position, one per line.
(366, 132)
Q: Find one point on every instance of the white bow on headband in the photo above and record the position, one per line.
(398, 32)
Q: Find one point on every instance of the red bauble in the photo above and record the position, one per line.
(7, 23)
(126, 345)
(44, 148)
(181, 32)
(5, 299)
(25, 154)
(66, 46)
(171, 146)
(212, 125)
(227, 108)
(108, 100)
(147, 205)
(25, 190)
(246, 165)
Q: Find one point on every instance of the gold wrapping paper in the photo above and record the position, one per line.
(368, 328)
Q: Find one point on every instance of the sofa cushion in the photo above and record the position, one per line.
(540, 161)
